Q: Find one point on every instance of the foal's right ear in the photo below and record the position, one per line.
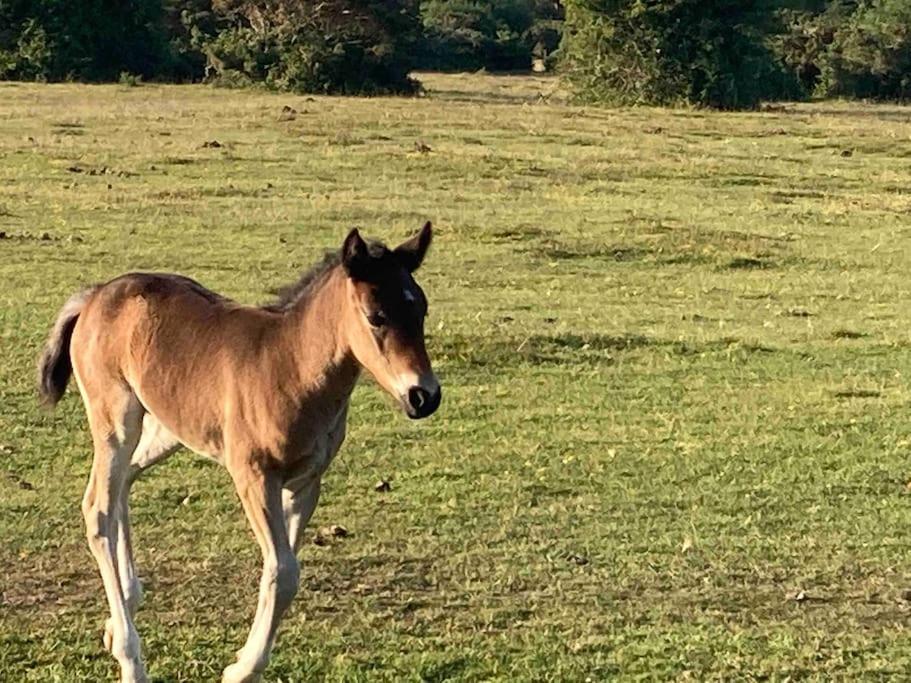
(411, 252)
(355, 257)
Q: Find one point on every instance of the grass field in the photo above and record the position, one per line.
(675, 350)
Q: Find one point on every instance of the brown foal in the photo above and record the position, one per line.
(162, 362)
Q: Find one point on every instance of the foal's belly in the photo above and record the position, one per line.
(306, 454)
(203, 437)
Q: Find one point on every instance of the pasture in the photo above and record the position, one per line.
(674, 347)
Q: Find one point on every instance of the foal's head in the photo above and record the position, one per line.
(385, 318)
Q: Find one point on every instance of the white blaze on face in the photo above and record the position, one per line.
(411, 380)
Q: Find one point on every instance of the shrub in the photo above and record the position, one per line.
(91, 40)
(25, 53)
(502, 35)
(806, 38)
(351, 46)
(703, 52)
(851, 49)
(333, 46)
(870, 54)
(129, 80)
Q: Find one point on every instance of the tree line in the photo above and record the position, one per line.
(344, 46)
(733, 54)
(718, 53)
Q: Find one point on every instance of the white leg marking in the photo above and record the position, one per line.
(100, 510)
(155, 444)
(280, 578)
(299, 506)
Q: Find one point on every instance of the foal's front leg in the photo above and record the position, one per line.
(299, 504)
(260, 493)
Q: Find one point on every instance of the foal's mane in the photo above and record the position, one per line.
(305, 287)
(291, 294)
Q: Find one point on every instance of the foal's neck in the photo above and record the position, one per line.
(316, 341)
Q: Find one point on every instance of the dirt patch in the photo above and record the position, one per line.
(748, 263)
(848, 334)
(100, 170)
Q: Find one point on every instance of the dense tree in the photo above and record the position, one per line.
(496, 35)
(851, 49)
(719, 53)
(356, 46)
(82, 39)
(346, 46)
(705, 52)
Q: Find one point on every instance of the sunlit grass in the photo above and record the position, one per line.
(674, 348)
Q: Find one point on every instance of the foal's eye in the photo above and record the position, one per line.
(376, 319)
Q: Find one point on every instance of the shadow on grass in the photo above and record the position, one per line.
(468, 351)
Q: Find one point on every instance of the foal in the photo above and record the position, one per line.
(162, 362)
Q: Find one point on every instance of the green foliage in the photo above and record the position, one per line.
(330, 46)
(500, 35)
(26, 55)
(363, 46)
(870, 55)
(718, 53)
(188, 24)
(851, 49)
(93, 40)
(130, 80)
(674, 353)
(710, 53)
(808, 35)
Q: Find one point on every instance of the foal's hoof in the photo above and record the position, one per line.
(240, 674)
(134, 678)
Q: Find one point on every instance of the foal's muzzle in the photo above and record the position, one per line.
(421, 403)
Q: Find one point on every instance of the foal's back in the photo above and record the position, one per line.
(180, 348)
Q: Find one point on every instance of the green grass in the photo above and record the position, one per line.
(675, 353)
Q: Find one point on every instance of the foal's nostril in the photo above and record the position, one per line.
(421, 402)
(417, 398)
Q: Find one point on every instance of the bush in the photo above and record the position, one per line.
(870, 54)
(331, 46)
(547, 31)
(25, 53)
(851, 49)
(502, 35)
(349, 46)
(91, 40)
(188, 25)
(702, 52)
(807, 37)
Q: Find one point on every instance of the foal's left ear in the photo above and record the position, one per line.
(411, 252)
(355, 257)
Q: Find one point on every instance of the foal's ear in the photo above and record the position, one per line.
(411, 252)
(355, 257)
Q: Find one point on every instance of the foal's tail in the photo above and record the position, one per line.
(54, 365)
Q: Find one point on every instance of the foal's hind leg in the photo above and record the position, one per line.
(155, 444)
(116, 424)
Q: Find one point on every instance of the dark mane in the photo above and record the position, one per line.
(291, 294)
